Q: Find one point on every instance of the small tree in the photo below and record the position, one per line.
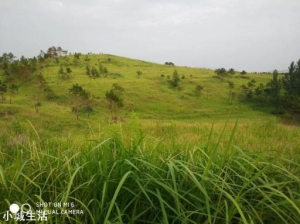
(94, 72)
(198, 90)
(80, 100)
(169, 63)
(102, 69)
(243, 72)
(139, 73)
(86, 58)
(231, 71)
(36, 101)
(232, 94)
(221, 72)
(114, 97)
(3, 90)
(291, 84)
(88, 70)
(274, 88)
(76, 59)
(40, 78)
(174, 82)
(68, 70)
(12, 90)
(62, 74)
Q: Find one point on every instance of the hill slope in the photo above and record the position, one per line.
(148, 95)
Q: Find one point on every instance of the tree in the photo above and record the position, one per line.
(68, 70)
(41, 79)
(3, 90)
(12, 90)
(62, 74)
(231, 71)
(52, 52)
(274, 89)
(232, 94)
(23, 60)
(7, 58)
(102, 69)
(221, 72)
(115, 100)
(86, 58)
(139, 73)
(260, 92)
(174, 82)
(169, 63)
(80, 100)
(243, 72)
(198, 90)
(94, 72)
(61, 52)
(87, 70)
(291, 85)
(76, 59)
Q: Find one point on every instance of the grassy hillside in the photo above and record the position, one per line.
(149, 95)
(172, 157)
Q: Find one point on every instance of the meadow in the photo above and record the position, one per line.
(172, 157)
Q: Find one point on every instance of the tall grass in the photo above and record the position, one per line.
(143, 179)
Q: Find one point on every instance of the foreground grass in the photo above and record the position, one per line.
(143, 179)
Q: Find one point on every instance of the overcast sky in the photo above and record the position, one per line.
(251, 35)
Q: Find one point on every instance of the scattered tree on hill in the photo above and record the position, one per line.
(87, 70)
(221, 72)
(169, 63)
(49, 93)
(3, 90)
(260, 91)
(174, 82)
(115, 100)
(40, 78)
(6, 58)
(36, 101)
(231, 71)
(86, 58)
(80, 100)
(68, 70)
(291, 86)
(62, 74)
(102, 69)
(76, 59)
(13, 89)
(232, 94)
(94, 72)
(273, 89)
(52, 52)
(243, 72)
(198, 90)
(139, 73)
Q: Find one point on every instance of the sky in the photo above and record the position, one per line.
(251, 35)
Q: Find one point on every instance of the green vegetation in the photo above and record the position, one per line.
(135, 178)
(149, 143)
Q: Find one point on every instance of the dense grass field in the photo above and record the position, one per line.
(172, 157)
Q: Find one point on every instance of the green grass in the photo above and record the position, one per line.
(132, 177)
